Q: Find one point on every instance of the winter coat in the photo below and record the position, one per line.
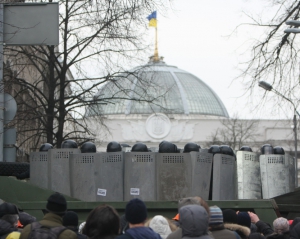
(8, 231)
(264, 228)
(193, 220)
(50, 220)
(219, 232)
(139, 233)
(243, 231)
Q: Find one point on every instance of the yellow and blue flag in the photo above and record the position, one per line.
(152, 19)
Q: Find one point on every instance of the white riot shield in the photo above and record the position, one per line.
(248, 175)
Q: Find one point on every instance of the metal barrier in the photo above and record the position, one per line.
(58, 169)
(39, 169)
(109, 176)
(276, 175)
(224, 177)
(248, 175)
(173, 174)
(140, 176)
(201, 173)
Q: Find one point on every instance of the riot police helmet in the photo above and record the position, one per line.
(88, 147)
(167, 147)
(225, 149)
(278, 150)
(45, 147)
(246, 148)
(267, 149)
(189, 147)
(113, 146)
(69, 144)
(139, 147)
(214, 149)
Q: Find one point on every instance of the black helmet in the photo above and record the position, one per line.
(266, 149)
(45, 147)
(246, 148)
(113, 146)
(88, 147)
(214, 149)
(278, 150)
(189, 147)
(139, 147)
(167, 147)
(225, 149)
(69, 144)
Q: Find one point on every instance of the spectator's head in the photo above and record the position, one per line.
(244, 219)
(281, 225)
(193, 220)
(229, 216)
(102, 222)
(10, 213)
(160, 225)
(57, 204)
(70, 219)
(216, 216)
(136, 211)
(26, 218)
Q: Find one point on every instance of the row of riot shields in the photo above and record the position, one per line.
(153, 176)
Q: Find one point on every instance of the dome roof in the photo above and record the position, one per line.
(157, 87)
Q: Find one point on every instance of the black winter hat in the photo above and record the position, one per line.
(136, 211)
(229, 216)
(70, 219)
(244, 219)
(26, 218)
(57, 203)
(7, 208)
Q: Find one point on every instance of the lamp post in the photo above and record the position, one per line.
(268, 87)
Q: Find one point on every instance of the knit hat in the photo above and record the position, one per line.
(216, 216)
(229, 216)
(57, 204)
(8, 208)
(135, 211)
(70, 219)
(281, 225)
(244, 219)
(160, 225)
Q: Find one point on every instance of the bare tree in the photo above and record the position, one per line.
(108, 33)
(275, 55)
(234, 132)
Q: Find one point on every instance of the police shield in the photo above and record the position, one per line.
(275, 170)
(224, 177)
(248, 175)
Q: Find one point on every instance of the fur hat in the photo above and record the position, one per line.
(281, 225)
(136, 211)
(216, 216)
(7, 208)
(70, 219)
(26, 218)
(244, 219)
(57, 204)
(160, 225)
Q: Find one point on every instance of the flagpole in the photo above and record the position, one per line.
(156, 48)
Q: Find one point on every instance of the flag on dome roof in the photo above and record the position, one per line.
(152, 19)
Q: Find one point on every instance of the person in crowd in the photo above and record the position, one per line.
(26, 218)
(103, 222)
(295, 232)
(231, 223)
(55, 209)
(136, 215)
(244, 219)
(193, 220)
(262, 227)
(183, 202)
(160, 225)
(281, 229)
(294, 223)
(70, 221)
(9, 216)
(216, 225)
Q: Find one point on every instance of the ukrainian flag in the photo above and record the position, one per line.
(152, 19)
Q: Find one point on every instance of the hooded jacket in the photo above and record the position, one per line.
(6, 228)
(242, 231)
(139, 233)
(193, 220)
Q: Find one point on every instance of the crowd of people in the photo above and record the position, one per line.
(195, 220)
